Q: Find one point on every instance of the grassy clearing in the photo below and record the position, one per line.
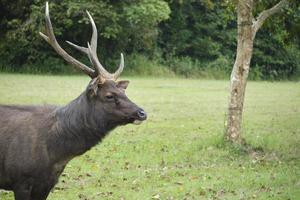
(179, 152)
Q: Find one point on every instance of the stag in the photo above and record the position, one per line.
(36, 142)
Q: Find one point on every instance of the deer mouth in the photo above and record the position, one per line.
(139, 117)
(137, 122)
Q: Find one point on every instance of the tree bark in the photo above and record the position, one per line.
(247, 28)
(240, 70)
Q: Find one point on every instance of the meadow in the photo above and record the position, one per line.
(179, 152)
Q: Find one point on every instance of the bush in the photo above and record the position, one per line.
(137, 64)
(220, 68)
(183, 66)
(193, 68)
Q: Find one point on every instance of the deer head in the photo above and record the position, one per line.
(104, 94)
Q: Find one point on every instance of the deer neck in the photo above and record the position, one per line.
(77, 130)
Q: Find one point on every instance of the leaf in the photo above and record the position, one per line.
(156, 196)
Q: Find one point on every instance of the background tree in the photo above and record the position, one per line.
(247, 29)
(191, 38)
(124, 26)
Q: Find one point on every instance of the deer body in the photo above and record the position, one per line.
(25, 157)
(37, 142)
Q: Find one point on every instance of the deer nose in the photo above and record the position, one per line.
(142, 114)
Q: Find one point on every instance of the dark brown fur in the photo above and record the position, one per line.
(36, 142)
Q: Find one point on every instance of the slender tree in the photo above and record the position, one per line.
(247, 29)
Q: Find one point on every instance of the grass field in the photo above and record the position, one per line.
(179, 152)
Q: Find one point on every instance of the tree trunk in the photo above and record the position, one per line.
(240, 71)
(247, 28)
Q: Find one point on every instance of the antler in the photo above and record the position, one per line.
(50, 38)
(90, 51)
(92, 54)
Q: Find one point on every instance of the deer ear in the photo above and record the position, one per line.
(92, 88)
(122, 84)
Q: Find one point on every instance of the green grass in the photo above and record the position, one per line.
(179, 152)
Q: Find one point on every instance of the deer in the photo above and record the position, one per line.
(37, 142)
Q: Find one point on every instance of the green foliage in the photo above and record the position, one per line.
(178, 153)
(142, 18)
(192, 68)
(207, 32)
(275, 61)
(141, 65)
(119, 23)
(276, 50)
(199, 31)
(184, 66)
(194, 38)
(147, 12)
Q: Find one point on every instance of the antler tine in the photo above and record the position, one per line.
(94, 60)
(120, 69)
(91, 51)
(95, 33)
(79, 48)
(93, 39)
(50, 38)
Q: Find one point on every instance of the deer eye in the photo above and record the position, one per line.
(109, 97)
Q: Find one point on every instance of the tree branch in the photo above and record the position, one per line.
(266, 14)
